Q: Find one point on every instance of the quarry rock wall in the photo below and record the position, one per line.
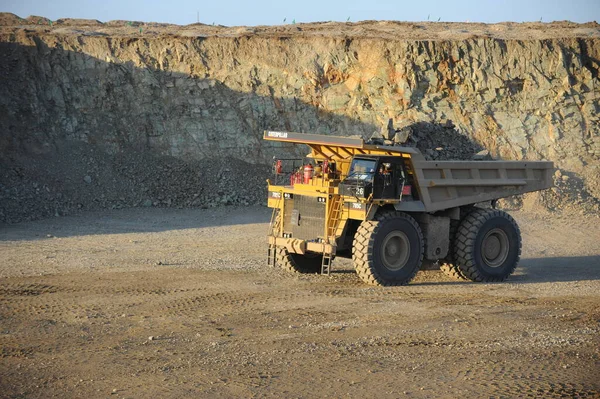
(212, 96)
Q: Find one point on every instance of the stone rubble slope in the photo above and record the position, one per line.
(80, 177)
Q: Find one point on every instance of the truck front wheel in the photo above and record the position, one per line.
(308, 263)
(388, 251)
(487, 245)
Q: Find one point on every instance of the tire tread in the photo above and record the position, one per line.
(362, 249)
(465, 240)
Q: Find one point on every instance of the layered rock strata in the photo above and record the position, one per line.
(522, 91)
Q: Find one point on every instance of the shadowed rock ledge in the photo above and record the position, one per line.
(199, 92)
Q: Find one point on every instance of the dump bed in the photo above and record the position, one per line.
(448, 184)
(441, 184)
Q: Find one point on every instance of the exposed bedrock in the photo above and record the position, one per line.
(206, 96)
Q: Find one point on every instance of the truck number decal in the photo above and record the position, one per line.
(360, 191)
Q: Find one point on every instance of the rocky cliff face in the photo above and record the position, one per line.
(199, 92)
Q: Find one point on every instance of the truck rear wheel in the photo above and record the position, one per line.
(308, 263)
(388, 251)
(487, 245)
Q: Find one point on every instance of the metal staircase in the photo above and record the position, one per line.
(274, 226)
(335, 212)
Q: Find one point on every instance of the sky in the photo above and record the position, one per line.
(263, 12)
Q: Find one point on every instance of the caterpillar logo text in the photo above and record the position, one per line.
(279, 135)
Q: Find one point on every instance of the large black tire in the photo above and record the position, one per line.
(388, 251)
(487, 245)
(309, 263)
(448, 265)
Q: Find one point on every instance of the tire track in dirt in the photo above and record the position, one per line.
(239, 302)
(543, 379)
(33, 300)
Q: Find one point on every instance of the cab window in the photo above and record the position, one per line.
(362, 169)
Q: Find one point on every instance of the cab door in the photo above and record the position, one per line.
(389, 179)
(383, 182)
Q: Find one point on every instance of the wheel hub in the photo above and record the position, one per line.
(392, 249)
(494, 247)
(395, 250)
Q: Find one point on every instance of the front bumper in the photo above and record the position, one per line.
(297, 246)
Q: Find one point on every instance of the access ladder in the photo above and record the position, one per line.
(335, 212)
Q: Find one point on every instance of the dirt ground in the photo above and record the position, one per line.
(137, 303)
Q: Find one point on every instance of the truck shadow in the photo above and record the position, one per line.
(529, 271)
(557, 269)
(544, 270)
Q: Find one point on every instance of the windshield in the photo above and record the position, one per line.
(362, 169)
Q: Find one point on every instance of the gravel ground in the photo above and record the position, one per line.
(177, 303)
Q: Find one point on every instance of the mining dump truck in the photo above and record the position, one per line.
(391, 210)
